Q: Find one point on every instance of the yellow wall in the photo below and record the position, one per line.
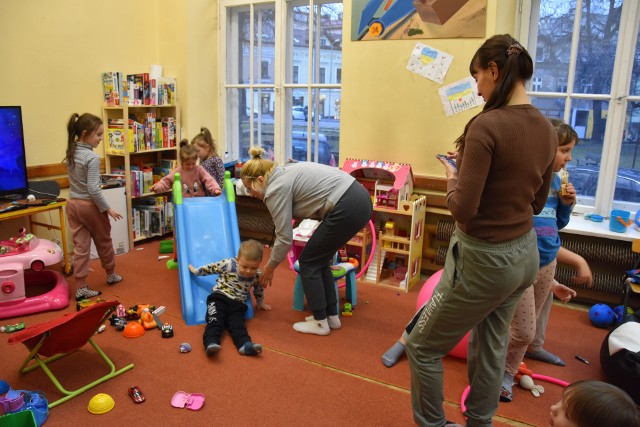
(54, 51)
(390, 113)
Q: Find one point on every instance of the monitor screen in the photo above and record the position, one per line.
(13, 162)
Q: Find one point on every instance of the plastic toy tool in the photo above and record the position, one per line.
(193, 401)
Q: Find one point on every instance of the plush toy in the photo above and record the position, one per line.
(524, 378)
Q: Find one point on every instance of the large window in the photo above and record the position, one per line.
(281, 78)
(587, 72)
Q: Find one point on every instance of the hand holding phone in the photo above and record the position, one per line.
(451, 161)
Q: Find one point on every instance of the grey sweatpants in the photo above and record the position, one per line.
(480, 288)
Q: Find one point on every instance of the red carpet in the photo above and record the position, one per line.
(299, 379)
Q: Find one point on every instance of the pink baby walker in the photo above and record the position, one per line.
(26, 292)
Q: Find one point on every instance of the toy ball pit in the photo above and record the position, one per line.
(460, 350)
(601, 315)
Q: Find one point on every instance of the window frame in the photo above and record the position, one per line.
(618, 98)
(281, 86)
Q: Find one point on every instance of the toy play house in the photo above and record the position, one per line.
(399, 220)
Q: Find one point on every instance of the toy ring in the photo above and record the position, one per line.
(551, 380)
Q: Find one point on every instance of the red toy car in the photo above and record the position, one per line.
(136, 394)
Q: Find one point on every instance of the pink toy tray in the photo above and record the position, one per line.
(193, 401)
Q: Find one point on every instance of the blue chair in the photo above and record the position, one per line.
(344, 270)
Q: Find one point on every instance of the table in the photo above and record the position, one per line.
(40, 209)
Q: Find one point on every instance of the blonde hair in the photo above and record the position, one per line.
(187, 151)
(205, 139)
(257, 166)
(251, 250)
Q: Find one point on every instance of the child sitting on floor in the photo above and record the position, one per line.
(226, 305)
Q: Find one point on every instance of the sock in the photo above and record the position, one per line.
(334, 321)
(250, 349)
(114, 278)
(544, 356)
(391, 356)
(317, 327)
(213, 349)
(506, 391)
(84, 292)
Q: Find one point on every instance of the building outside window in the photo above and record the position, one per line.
(280, 57)
(587, 72)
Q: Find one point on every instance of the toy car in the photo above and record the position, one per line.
(136, 394)
(31, 252)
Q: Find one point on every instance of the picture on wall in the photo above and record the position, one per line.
(417, 19)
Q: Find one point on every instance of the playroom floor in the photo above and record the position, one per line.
(298, 380)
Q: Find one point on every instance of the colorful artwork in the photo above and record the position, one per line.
(429, 62)
(460, 96)
(417, 19)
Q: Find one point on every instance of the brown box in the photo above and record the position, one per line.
(437, 11)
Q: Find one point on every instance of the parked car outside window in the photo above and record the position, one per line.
(299, 148)
(585, 181)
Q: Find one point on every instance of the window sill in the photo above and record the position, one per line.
(579, 225)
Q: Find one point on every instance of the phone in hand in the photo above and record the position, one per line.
(445, 157)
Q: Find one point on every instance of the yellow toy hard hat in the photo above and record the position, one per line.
(101, 403)
(133, 330)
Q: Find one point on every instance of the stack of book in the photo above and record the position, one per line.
(152, 216)
(137, 89)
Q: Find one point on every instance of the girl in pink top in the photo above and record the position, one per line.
(194, 178)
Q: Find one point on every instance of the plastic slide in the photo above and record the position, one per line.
(206, 231)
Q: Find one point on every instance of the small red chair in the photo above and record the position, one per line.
(56, 338)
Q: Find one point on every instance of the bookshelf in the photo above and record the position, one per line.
(141, 143)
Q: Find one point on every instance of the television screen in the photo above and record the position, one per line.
(13, 162)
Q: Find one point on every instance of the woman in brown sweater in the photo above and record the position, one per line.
(504, 167)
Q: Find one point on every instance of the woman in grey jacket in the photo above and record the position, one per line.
(316, 191)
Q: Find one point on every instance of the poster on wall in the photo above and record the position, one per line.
(460, 96)
(417, 19)
(429, 62)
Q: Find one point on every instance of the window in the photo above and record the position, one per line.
(537, 83)
(278, 56)
(587, 72)
(339, 75)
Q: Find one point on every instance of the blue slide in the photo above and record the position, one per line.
(206, 231)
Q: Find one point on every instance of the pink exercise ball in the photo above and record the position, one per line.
(460, 350)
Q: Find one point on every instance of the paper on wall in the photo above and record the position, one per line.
(429, 62)
(460, 96)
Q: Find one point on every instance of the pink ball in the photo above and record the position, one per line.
(460, 350)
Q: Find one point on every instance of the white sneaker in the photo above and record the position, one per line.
(317, 327)
(334, 321)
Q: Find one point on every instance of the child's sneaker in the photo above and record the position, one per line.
(250, 349)
(84, 292)
(333, 321)
(114, 278)
(316, 327)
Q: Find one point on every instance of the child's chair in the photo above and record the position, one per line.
(52, 340)
(344, 270)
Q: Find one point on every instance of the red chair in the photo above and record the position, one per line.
(52, 340)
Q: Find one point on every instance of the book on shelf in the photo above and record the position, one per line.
(170, 164)
(110, 88)
(167, 91)
(115, 141)
(146, 89)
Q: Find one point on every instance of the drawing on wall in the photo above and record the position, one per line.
(429, 62)
(460, 96)
(417, 19)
